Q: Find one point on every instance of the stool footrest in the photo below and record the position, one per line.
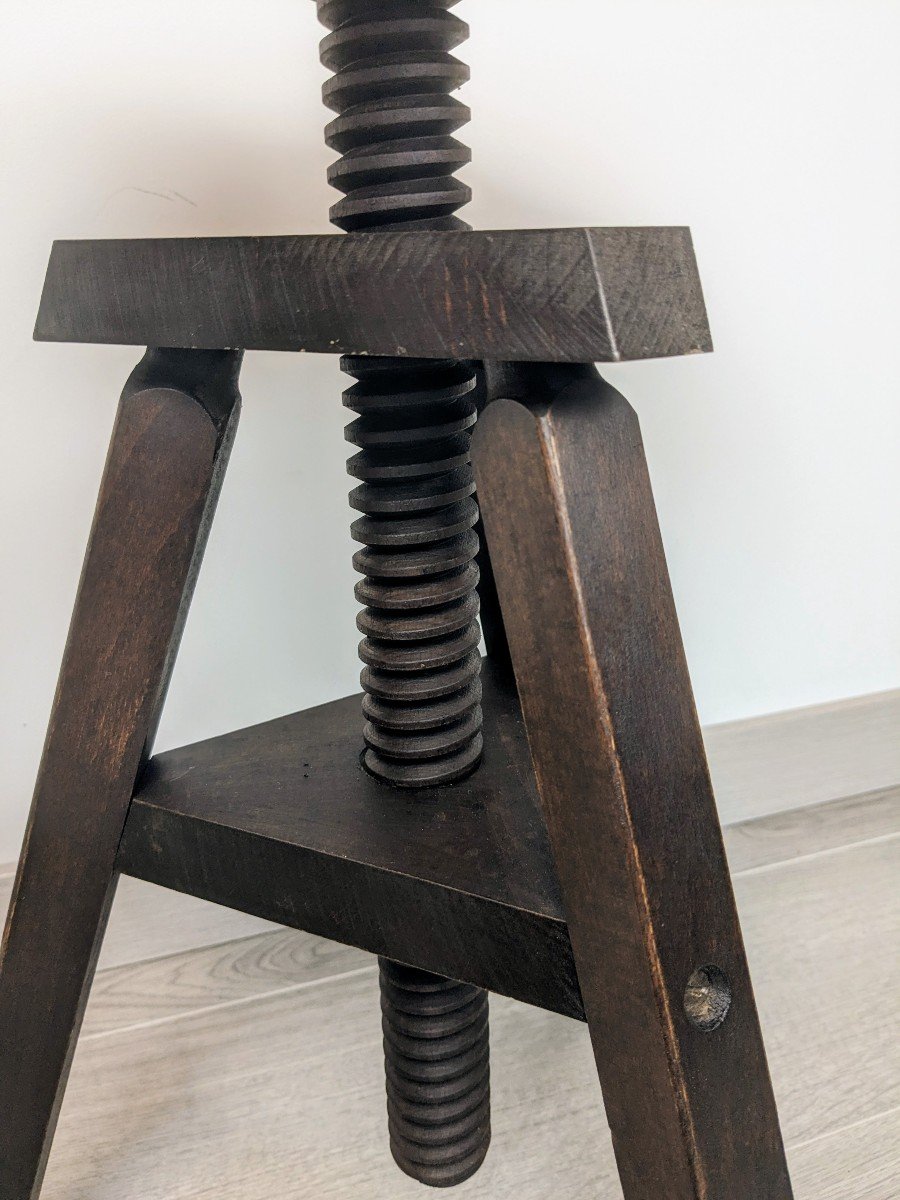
(281, 820)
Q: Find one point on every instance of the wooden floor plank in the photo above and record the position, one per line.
(285, 1098)
(230, 973)
(859, 1163)
(818, 931)
(282, 1096)
(815, 829)
(150, 922)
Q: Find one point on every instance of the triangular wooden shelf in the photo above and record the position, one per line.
(281, 820)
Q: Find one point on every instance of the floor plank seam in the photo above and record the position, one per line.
(844, 1129)
(826, 852)
(202, 948)
(225, 1004)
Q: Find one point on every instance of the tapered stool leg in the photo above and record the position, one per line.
(619, 759)
(169, 447)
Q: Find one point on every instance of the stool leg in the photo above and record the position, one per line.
(620, 764)
(169, 446)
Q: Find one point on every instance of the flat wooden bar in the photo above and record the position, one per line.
(281, 821)
(564, 295)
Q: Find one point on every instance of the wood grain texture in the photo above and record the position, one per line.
(238, 971)
(831, 1006)
(171, 439)
(619, 760)
(859, 1163)
(814, 829)
(281, 821)
(556, 294)
(283, 1097)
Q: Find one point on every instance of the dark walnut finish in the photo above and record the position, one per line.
(391, 90)
(168, 451)
(281, 821)
(579, 868)
(567, 295)
(625, 789)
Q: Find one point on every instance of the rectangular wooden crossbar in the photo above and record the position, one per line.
(562, 295)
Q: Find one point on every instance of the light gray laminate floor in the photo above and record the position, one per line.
(252, 1069)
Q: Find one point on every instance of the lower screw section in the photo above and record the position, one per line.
(438, 1080)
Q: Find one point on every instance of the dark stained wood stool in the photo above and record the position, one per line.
(540, 823)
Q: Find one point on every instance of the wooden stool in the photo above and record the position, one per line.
(547, 831)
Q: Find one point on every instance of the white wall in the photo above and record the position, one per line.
(769, 127)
